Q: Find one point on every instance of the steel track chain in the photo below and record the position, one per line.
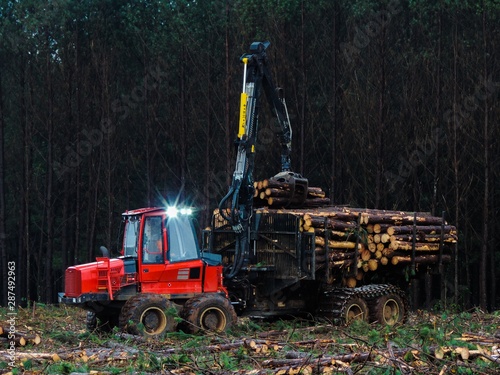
(334, 302)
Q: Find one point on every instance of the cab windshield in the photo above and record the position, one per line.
(130, 237)
(182, 241)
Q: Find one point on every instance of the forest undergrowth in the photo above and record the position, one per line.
(428, 342)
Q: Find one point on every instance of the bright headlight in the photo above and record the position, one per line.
(172, 211)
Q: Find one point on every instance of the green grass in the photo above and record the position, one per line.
(63, 331)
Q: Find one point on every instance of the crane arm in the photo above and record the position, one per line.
(236, 207)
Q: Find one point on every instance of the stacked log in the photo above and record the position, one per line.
(359, 241)
(273, 193)
(7, 336)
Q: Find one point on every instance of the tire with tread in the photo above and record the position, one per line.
(389, 309)
(356, 308)
(147, 315)
(96, 322)
(209, 312)
(91, 321)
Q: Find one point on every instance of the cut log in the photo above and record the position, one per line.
(365, 254)
(274, 192)
(426, 229)
(422, 237)
(335, 244)
(398, 219)
(420, 259)
(380, 228)
(21, 338)
(315, 192)
(419, 246)
(18, 340)
(372, 264)
(337, 255)
(385, 238)
(285, 202)
(359, 275)
(334, 234)
(341, 263)
(320, 221)
(350, 282)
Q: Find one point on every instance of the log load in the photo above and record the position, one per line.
(354, 242)
(373, 240)
(274, 193)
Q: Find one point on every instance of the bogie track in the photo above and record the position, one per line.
(384, 303)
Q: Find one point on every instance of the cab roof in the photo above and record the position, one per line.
(140, 211)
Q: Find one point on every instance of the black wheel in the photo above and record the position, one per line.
(355, 309)
(148, 315)
(98, 322)
(210, 312)
(91, 321)
(389, 310)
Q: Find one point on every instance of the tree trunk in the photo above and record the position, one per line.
(456, 185)
(333, 106)
(25, 254)
(227, 110)
(483, 264)
(380, 145)
(303, 89)
(48, 271)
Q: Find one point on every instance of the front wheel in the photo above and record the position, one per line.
(389, 310)
(148, 315)
(209, 312)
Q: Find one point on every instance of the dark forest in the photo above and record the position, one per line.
(110, 105)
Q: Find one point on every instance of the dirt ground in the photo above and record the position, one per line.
(56, 342)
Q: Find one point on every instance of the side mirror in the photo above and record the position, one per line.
(104, 251)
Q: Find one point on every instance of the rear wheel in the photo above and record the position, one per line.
(99, 322)
(389, 310)
(355, 309)
(148, 315)
(209, 312)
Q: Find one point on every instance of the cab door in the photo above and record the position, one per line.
(184, 273)
(152, 248)
(171, 264)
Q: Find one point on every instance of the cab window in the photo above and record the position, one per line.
(130, 237)
(182, 242)
(152, 243)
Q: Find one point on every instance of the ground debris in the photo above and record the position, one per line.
(428, 344)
